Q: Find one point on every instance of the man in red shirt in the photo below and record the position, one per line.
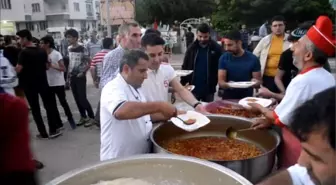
(17, 166)
(96, 67)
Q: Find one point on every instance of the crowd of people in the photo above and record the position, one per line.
(134, 82)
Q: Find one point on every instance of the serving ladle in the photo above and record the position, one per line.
(231, 132)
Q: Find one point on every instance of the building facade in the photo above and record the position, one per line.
(49, 16)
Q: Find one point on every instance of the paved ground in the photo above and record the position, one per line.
(76, 148)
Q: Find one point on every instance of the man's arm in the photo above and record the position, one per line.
(60, 66)
(278, 80)
(222, 79)
(222, 71)
(280, 178)
(256, 73)
(19, 65)
(184, 93)
(134, 110)
(256, 76)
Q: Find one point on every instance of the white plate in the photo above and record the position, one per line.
(263, 102)
(241, 84)
(190, 87)
(201, 121)
(183, 72)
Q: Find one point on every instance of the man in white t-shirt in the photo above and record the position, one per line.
(125, 115)
(160, 76)
(8, 79)
(55, 76)
(310, 54)
(314, 124)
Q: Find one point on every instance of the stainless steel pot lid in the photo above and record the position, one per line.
(158, 169)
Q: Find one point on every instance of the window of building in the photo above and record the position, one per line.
(64, 7)
(71, 23)
(30, 26)
(89, 9)
(43, 25)
(83, 24)
(76, 6)
(36, 7)
(6, 4)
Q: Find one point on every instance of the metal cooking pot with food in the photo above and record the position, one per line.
(158, 169)
(254, 169)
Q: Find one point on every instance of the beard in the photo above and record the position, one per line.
(297, 63)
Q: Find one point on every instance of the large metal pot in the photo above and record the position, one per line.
(254, 169)
(157, 169)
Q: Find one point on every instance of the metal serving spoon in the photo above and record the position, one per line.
(184, 122)
(231, 133)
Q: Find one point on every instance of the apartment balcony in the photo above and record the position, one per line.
(53, 7)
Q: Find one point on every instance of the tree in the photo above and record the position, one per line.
(168, 11)
(232, 13)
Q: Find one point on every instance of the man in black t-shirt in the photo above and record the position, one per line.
(32, 66)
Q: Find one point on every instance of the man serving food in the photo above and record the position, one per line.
(313, 78)
(126, 117)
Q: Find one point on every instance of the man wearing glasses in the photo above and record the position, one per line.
(269, 51)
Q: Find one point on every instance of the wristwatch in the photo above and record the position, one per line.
(196, 104)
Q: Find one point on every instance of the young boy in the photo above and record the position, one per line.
(56, 77)
(79, 63)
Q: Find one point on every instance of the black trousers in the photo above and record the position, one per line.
(49, 102)
(78, 88)
(97, 117)
(59, 91)
(66, 65)
(269, 83)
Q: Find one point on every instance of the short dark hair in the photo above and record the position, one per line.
(72, 33)
(8, 39)
(233, 35)
(316, 114)
(189, 28)
(152, 30)
(278, 18)
(131, 58)
(203, 28)
(107, 43)
(35, 40)
(49, 40)
(25, 34)
(151, 39)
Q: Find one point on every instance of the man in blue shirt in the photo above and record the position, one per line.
(237, 65)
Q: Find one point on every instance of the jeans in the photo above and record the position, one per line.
(78, 88)
(49, 102)
(59, 91)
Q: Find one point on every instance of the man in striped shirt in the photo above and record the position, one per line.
(130, 38)
(97, 61)
(96, 69)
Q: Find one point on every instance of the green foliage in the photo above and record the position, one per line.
(168, 11)
(232, 13)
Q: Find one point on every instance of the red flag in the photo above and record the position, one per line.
(155, 24)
